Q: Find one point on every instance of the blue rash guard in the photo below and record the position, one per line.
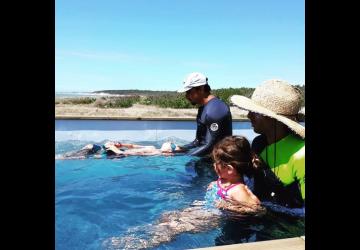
(214, 122)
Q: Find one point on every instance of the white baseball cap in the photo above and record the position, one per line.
(192, 80)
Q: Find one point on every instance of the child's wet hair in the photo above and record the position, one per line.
(234, 151)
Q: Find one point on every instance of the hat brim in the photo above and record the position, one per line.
(190, 87)
(249, 105)
(183, 90)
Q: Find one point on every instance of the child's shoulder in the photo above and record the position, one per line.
(241, 188)
(243, 193)
(211, 185)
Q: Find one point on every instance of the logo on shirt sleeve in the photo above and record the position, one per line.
(214, 127)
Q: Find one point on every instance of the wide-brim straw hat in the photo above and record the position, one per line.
(276, 99)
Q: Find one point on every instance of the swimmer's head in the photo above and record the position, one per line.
(169, 147)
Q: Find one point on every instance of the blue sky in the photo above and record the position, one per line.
(154, 44)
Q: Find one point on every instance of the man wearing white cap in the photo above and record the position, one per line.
(214, 120)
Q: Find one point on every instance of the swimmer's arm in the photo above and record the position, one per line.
(143, 153)
(168, 153)
(129, 145)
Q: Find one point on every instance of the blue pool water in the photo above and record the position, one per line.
(96, 199)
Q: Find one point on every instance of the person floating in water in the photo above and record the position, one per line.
(232, 161)
(280, 147)
(214, 120)
(118, 150)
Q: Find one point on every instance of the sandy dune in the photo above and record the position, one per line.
(136, 111)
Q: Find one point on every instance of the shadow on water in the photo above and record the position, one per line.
(201, 168)
(269, 227)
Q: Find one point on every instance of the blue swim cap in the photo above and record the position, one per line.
(96, 148)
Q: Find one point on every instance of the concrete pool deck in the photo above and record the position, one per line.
(297, 243)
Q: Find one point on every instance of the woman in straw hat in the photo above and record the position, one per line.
(280, 148)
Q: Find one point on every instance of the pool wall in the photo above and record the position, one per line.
(135, 130)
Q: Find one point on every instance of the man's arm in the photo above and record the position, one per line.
(202, 150)
(193, 144)
(214, 131)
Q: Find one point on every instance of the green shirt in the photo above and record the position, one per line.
(289, 162)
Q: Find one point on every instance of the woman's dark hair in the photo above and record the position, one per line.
(234, 151)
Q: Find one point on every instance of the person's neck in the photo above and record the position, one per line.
(232, 180)
(273, 136)
(207, 99)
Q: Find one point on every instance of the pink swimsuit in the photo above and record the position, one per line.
(222, 192)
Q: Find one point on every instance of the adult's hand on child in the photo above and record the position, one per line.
(256, 161)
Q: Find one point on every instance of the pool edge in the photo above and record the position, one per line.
(62, 117)
(296, 243)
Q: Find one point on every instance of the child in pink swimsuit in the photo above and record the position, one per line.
(232, 160)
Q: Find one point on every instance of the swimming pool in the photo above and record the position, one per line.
(96, 199)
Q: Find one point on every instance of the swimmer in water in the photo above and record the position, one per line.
(117, 150)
